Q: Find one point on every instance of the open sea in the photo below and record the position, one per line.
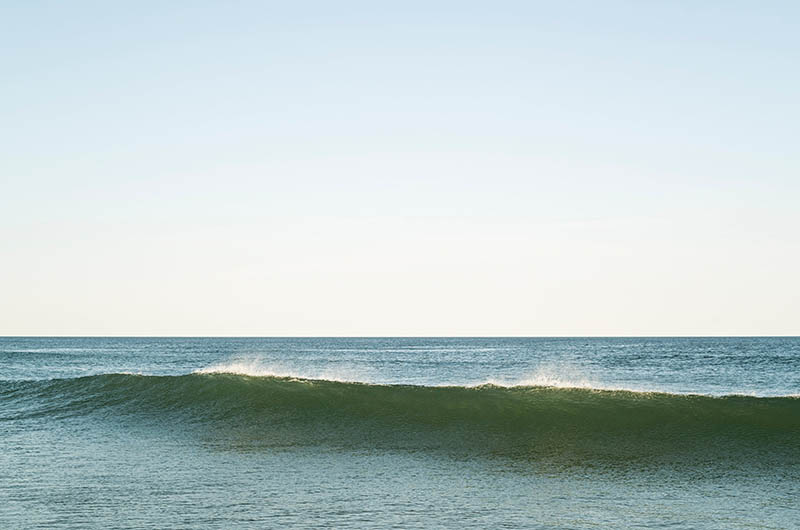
(399, 433)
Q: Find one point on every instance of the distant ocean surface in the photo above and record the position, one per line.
(399, 433)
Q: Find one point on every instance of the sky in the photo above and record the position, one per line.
(255, 168)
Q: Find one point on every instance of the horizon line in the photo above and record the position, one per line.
(392, 336)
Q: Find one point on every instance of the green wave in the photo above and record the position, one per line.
(539, 423)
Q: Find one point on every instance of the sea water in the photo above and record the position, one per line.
(399, 432)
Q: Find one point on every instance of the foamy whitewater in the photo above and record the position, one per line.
(387, 432)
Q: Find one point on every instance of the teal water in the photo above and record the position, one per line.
(405, 433)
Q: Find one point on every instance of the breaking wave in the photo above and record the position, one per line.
(546, 422)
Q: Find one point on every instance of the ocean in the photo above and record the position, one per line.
(400, 432)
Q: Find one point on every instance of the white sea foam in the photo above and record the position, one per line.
(551, 376)
(259, 368)
(556, 377)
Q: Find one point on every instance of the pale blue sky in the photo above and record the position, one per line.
(422, 168)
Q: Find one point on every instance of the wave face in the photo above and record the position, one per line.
(566, 425)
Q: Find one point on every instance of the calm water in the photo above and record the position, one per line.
(364, 433)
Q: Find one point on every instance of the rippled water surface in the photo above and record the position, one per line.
(364, 433)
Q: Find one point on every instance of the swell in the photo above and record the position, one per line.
(576, 425)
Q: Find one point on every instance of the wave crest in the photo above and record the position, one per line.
(543, 423)
(257, 368)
